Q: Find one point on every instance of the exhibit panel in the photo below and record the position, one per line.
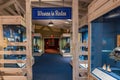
(104, 49)
(37, 44)
(13, 46)
(65, 45)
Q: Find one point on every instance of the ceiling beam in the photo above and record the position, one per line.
(6, 4)
(4, 13)
(20, 6)
(17, 9)
(55, 4)
(11, 11)
(82, 13)
(87, 1)
(60, 4)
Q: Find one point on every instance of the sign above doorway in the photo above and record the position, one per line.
(52, 13)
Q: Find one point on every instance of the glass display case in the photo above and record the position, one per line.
(15, 36)
(83, 55)
(105, 46)
(37, 44)
(65, 44)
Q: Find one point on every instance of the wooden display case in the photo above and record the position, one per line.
(65, 48)
(83, 64)
(37, 44)
(95, 10)
(9, 72)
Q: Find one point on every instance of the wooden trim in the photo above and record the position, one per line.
(11, 71)
(12, 61)
(100, 7)
(89, 47)
(12, 20)
(11, 11)
(12, 52)
(75, 45)
(20, 6)
(17, 9)
(29, 39)
(6, 4)
(14, 78)
(17, 43)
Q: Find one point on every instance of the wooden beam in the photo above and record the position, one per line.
(87, 1)
(3, 12)
(58, 4)
(75, 45)
(6, 4)
(20, 6)
(17, 9)
(29, 39)
(14, 78)
(11, 11)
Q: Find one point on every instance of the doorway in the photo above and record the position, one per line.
(51, 45)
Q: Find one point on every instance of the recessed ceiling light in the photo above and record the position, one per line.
(67, 22)
(69, 19)
(50, 24)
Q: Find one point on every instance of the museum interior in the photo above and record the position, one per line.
(59, 39)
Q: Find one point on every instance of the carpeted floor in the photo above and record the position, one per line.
(54, 51)
(52, 67)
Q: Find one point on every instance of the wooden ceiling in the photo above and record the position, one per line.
(83, 4)
(12, 7)
(17, 7)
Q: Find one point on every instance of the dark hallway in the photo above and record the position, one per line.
(52, 67)
(51, 44)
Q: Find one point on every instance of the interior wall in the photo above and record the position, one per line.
(96, 38)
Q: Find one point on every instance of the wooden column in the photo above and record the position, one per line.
(29, 39)
(1, 41)
(75, 47)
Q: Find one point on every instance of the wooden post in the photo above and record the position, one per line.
(1, 41)
(29, 39)
(75, 47)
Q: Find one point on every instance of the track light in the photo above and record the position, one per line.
(50, 24)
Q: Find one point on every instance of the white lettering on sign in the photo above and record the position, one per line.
(40, 13)
(60, 13)
(52, 13)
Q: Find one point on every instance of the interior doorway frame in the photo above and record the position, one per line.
(49, 38)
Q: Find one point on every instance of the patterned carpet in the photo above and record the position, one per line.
(52, 67)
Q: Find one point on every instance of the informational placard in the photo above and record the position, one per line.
(102, 75)
(52, 13)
